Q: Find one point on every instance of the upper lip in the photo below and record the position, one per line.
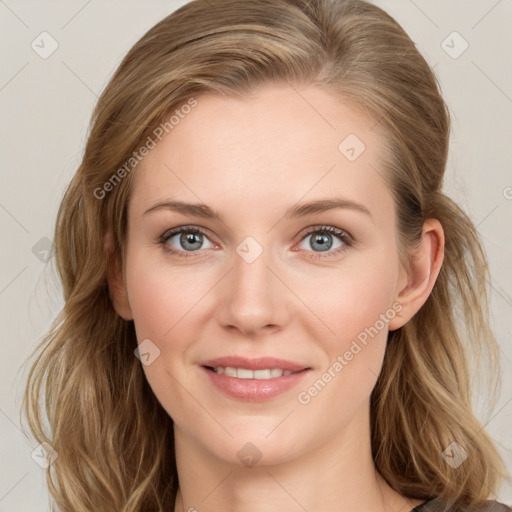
(260, 363)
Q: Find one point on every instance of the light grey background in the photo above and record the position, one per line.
(46, 105)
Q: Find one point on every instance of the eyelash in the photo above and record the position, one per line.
(348, 240)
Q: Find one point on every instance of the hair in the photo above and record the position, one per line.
(114, 440)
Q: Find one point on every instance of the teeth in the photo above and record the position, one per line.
(266, 374)
(241, 373)
(244, 373)
(230, 372)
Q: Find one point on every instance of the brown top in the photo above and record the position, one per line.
(438, 506)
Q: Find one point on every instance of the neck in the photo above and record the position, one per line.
(337, 474)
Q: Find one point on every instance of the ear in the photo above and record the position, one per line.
(425, 263)
(116, 284)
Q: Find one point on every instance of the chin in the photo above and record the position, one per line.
(252, 448)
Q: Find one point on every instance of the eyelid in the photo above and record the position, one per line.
(346, 238)
(171, 233)
(326, 228)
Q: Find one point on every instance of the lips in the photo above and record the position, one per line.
(253, 388)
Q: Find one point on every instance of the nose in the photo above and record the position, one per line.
(254, 299)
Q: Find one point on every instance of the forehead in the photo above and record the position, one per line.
(281, 144)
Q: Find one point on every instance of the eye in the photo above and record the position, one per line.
(322, 239)
(183, 241)
(187, 239)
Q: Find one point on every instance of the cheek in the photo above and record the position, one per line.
(351, 299)
(359, 316)
(162, 295)
(154, 307)
(164, 301)
(355, 306)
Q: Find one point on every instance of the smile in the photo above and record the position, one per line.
(245, 373)
(253, 385)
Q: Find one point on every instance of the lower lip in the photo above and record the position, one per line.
(254, 390)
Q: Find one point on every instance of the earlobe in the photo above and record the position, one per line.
(116, 285)
(425, 265)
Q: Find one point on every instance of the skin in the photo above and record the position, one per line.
(250, 160)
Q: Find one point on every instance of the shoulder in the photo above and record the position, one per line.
(437, 505)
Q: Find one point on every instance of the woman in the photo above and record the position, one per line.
(262, 278)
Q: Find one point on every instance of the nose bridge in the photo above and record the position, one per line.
(253, 298)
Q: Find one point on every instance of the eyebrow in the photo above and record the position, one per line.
(296, 211)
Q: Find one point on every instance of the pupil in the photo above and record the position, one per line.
(190, 238)
(323, 241)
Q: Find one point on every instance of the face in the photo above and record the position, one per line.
(269, 278)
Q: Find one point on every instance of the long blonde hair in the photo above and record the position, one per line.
(113, 438)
